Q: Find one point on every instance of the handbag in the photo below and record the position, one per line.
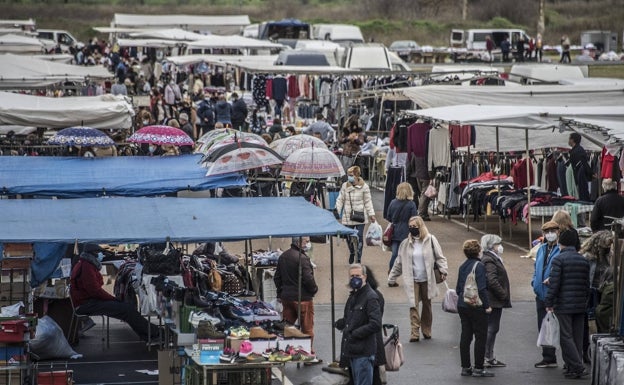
(436, 269)
(449, 304)
(214, 278)
(471, 289)
(393, 348)
(356, 216)
(387, 236)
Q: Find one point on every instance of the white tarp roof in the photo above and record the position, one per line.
(19, 43)
(232, 41)
(151, 43)
(106, 111)
(254, 67)
(543, 121)
(23, 72)
(221, 59)
(543, 95)
(216, 24)
(549, 73)
(168, 34)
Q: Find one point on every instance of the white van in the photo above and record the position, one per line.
(338, 33)
(368, 57)
(474, 39)
(62, 37)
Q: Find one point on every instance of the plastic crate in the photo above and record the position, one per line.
(57, 377)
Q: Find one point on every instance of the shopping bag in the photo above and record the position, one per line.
(549, 332)
(374, 234)
(393, 348)
(431, 192)
(449, 304)
(471, 289)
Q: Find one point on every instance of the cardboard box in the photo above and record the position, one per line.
(169, 367)
(233, 343)
(18, 250)
(58, 290)
(261, 346)
(303, 343)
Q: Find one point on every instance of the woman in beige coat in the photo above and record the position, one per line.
(355, 196)
(418, 255)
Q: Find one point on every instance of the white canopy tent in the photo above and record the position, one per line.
(222, 24)
(23, 72)
(222, 59)
(598, 94)
(232, 41)
(149, 43)
(11, 43)
(106, 111)
(168, 34)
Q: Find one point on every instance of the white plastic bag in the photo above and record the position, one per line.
(449, 304)
(549, 332)
(374, 234)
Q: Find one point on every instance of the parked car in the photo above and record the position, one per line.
(294, 57)
(405, 49)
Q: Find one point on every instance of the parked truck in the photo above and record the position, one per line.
(603, 41)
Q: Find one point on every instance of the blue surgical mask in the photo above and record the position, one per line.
(356, 283)
(351, 179)
(100, 256)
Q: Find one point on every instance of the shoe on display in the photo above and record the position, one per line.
(240, 332)
(228, 356)
(481, 373)
(254, 357)
(196, 316)
(245, 349)
(302, 355)
(257, 332)
(292, 331)
(205, 329)
(494, 363)
(546, 364)
(280, 356)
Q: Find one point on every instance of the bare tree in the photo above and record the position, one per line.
(464, 9)
(541, 21)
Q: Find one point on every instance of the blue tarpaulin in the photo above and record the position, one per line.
(145, 220)
(77, 177)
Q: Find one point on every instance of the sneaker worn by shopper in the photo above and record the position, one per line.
(546, 364)
(466, 372)
(494, 363)
(576, 375)
(481, 373)
(87, 324)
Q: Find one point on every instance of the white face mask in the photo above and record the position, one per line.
(551, 236)
(100, 256)
(499, 250)
(152, 149)
(307, 246)
(145, 122)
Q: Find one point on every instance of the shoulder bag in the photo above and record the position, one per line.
(356, 216)
(389, 232)
(471, 289)
(436, 268)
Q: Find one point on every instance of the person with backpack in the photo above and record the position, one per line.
(473, 306)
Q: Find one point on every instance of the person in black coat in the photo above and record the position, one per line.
(474, 317)
(380, 355)
(498, 292)
(239, 112)
(359, 326)
(567, 296)
(609, 204)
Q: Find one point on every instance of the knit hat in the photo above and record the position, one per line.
(567, 238)
(550, 225)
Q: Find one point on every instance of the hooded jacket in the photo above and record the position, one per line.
(354, 197)
(86, 281)
(543, 264)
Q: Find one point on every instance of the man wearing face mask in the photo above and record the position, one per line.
(90, 298)
(541, 279)
(498, 292)
(361, 322)
(287, 283)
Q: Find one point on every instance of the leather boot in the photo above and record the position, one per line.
(258, 333)
(291, 331)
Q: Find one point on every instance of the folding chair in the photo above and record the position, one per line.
(75, 322)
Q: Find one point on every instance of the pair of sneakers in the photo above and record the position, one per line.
(476, 372)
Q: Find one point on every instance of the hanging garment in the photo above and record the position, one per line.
(562, 170)
(552, 184)
(279, 88)
(395, 175)
(293, 87)
(439, 149)
(462, 136)
(417, 139)
(571, 182)
(519, 174)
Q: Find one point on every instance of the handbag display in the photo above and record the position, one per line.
(356, 216)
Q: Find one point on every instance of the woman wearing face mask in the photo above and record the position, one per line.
(498, 292)
(418, 255)
(355, 196)
(286, 280)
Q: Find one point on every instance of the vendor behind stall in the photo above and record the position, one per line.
(90, 298)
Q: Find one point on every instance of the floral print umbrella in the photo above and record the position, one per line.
(161, 135)
(81, 136)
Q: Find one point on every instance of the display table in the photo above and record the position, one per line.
(252, 373)
(572, 208)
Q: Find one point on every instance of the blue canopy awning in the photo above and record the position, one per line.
(76, 177)
(145, 220)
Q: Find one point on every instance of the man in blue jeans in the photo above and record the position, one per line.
(543, 262)
(359, 326)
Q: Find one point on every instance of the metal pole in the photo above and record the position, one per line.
(333, 299)
(299, 285)
(498, 186)
(528, 170)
